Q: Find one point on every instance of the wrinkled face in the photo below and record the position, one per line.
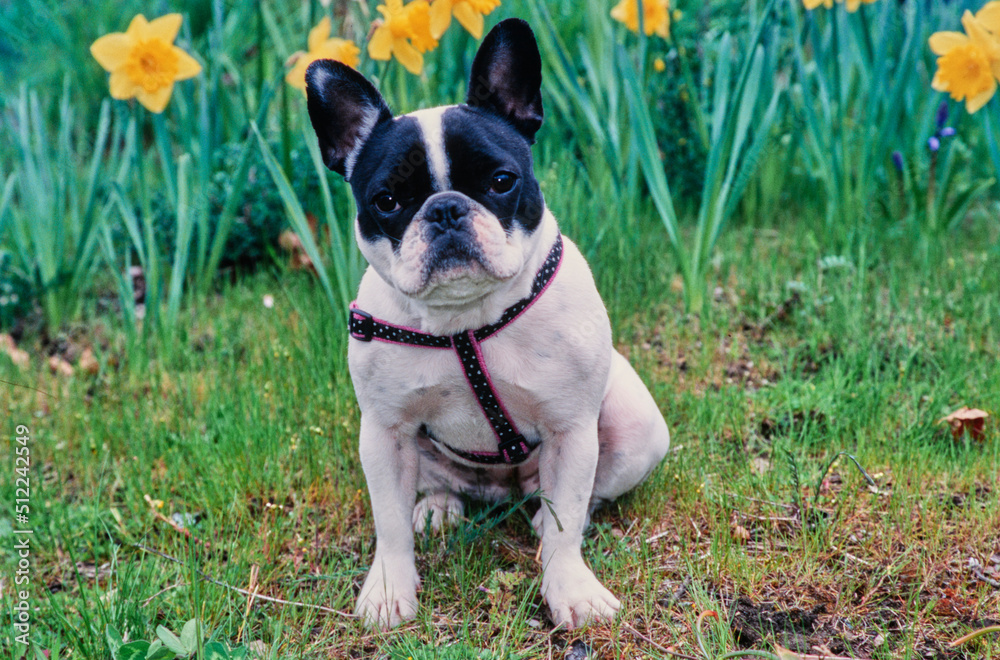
(447, 202)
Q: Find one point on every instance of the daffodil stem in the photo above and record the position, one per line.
(152, 258)
(312, 16)
(931, 191)
(286, 149)
(260, 45)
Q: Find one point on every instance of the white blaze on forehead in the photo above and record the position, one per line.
(431, 126)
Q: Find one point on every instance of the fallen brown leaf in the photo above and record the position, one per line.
(20, 358)
(965, 419)
(59, 366)
(88, 363)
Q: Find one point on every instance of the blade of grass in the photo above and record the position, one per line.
(297, 217)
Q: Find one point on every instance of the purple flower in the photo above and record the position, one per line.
(947, 131)
(897, 160)
(942, 115)
(934, 143)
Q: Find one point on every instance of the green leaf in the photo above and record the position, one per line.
(133, 651)
(296, 215)
(162, 654)
(170, 640)
(114, 639)
(215, 651)
(185, 226)
(189, 637)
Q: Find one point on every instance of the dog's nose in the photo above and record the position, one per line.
(447, 210)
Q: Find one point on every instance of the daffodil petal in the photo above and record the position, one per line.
(989, 16)
(111, 50)
(408, 56)
(440, 17)
(165, 27)
(618, 12)
(138, 28)
(974, 28)
(319, 34)
(470, 19)
(380, 45)
(942, 42)
(155, 101)
(296, 77)
(939, 84)
(663, 29)
(187, 66)
(121, 85)
(342, 50)
(974, 103)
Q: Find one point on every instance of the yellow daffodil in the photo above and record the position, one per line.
(404, 32)
(655, 14)
(813, 4)
(989, 17)
(468, 12)
(969, 64)
(144, 62)
(322, 47)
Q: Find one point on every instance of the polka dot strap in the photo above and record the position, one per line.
(541, 282)
(512, 446)
(364, 327)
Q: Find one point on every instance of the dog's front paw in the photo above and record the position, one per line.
(576, 597)
(437, 510)
(389, 594)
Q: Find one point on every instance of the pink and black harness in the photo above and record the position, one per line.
(512, 448)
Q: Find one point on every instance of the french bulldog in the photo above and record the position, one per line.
(481, 351)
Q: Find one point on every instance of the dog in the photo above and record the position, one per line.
(480, 349)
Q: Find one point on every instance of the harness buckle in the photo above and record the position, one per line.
(361, 324)
(515, 449)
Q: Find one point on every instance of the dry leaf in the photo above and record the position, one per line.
(88, 363)
(967, 419)
(20, 358)
(290, 242)
(741, 533)
(59, 366)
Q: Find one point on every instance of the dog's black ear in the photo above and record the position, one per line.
(344, 108)
(507, 76)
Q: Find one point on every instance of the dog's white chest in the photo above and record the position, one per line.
(547, 367)
(427, 387)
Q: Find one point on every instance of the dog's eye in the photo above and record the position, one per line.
(502, 182)
(386, 203)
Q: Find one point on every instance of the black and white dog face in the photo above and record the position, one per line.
(447, 199)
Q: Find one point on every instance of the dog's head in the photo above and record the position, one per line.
(447, 199)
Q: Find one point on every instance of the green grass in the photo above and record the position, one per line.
(848, 308)
(248, 422)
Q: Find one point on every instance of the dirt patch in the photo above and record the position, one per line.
(792, 628)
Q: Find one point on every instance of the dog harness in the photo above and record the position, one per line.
(512, 448)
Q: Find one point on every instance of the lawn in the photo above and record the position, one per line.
(805, 321)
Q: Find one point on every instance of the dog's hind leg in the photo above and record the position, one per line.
(632, 433)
